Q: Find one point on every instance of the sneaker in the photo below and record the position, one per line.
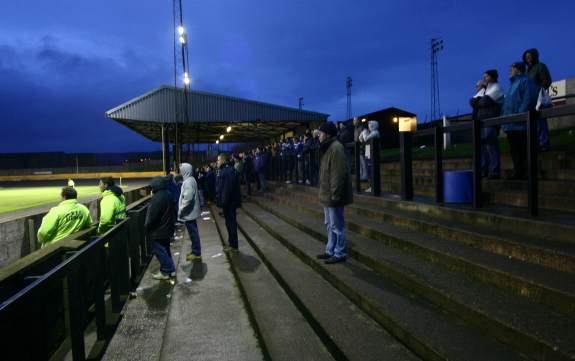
(230, 249)
(334, 259)
(368, 190)
(160, 276)
(307, 182)
(192, 257)
(323, 256)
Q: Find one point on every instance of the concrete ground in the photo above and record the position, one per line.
(199, 316)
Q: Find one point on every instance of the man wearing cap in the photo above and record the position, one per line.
(520, 97)
(335, 192)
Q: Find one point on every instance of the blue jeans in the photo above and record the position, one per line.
(231, 226)
(543, 133)
(161, 249)
(192, 227)
(335, 224)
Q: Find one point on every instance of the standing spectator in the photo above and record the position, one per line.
(261, 164)
(306, 154)
(210, 183)
(159, 227)
(248, 171)
(373, 133)
(189, 210)
(344, 134)
(66, 218)
(487, 104)
(229, 198)
(359, 127)
(520, 97)
(335, 192)
(112, 205)
(538, 71)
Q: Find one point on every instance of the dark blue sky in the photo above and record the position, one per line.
(63, 63)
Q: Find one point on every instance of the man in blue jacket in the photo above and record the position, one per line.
(520, 97)
(229, 199)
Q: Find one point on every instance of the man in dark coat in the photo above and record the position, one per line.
(539, 72)
(159, 227)
(335, 192)
(229, 198)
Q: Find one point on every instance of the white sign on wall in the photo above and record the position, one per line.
(557, 89)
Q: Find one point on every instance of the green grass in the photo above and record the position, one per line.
(561, 140)
(18, 198)
(15, 198)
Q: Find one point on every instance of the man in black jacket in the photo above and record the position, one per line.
(229, 198)
(159, 226)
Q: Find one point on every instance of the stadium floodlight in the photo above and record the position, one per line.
(186, 78)
(181, 30)
(363, 120)
(395, 119)
(222, 137)
(183, 39)
(229, 128)
(217, 142)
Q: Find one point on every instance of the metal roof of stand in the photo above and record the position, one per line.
(208, 116)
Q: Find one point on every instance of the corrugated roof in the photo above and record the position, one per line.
(208, 116)
(160, 106)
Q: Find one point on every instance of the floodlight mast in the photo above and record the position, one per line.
(436, 47)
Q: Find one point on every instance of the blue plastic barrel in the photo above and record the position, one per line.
(458, 186)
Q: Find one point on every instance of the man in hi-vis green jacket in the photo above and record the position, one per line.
(66, 218)
(112, 205)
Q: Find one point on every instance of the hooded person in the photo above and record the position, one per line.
(486, 103)
(372, 133)
(539, 72)
(189, 210)
(112, 205)
(159, 227)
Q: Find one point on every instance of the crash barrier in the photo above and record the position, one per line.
(54, 297)
(304, 167)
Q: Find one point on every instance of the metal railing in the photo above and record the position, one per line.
(55, 308)
(283, 167)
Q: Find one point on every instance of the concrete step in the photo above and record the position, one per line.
(350, 333)
(426, 329)
(548, 253)
(550, 225)
(208, 319)
(284, 331)
(548, 287)
(518, 198)
(530, 328)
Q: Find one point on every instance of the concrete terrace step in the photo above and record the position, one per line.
(551, 254)
(530, 328)
(549, 225)
(208, 319)
(518, 198)
(284, 331)
(348, 332)
(200, 315)
(548, 287)
(426, 329)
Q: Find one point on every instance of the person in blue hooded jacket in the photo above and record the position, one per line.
(520, 97)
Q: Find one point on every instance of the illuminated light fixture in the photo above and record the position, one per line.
(222, 137)
(183, 39)
(407, 124)
(181, 30)
(217, 142)
(229, 128)
(186, 78)
(363, 120)
(395, 119)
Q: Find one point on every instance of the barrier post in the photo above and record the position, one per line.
(357, 161)
(375, 172)
(476, 142)
(532, 150)
(438, 145)
(406, 166)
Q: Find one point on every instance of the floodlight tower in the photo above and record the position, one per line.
(436, 47)
(181, 76)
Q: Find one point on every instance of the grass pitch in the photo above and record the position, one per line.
(17, 198)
